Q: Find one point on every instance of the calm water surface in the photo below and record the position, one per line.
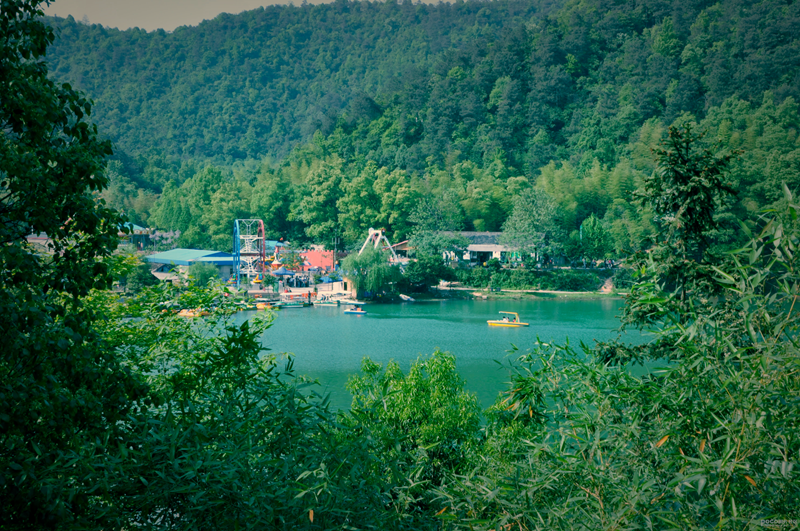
(329, 345)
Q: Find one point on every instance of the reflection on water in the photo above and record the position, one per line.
(329, 345)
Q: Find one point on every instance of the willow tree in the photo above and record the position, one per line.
(370, 271)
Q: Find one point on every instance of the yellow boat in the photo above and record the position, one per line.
(506, 321)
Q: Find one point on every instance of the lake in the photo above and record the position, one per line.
(329, 345)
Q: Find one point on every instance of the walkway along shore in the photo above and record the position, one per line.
(498, 293)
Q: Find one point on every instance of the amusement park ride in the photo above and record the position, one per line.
(250, 251)
(376, 237)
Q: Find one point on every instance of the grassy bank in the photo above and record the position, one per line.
(462, 292)
(544, 281)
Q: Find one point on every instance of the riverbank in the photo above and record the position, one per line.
(466, 292)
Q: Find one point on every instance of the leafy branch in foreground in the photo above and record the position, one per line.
(63, 397)
(710, 439)
(230, 437)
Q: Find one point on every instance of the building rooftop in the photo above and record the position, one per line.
(136, 229)
(189, 256)
(481, 241)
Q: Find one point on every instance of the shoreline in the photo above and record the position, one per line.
(485, 294)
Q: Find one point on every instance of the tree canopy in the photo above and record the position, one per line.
(63, 396)
(470, 104)
(119, 413)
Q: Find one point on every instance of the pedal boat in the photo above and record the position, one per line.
(355, 308)
(324, 300)
(512, 322)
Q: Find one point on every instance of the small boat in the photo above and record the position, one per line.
(513, 322)
(324, 300)
(295, 304)
(243, 306)
(406, 298)
(295, 300)
(355, 308)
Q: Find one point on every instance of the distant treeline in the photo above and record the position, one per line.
(427, 113)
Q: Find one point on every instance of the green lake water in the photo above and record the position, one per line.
(329, 345)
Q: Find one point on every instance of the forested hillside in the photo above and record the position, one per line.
(474, 113)
(117, 412)
(261, 82)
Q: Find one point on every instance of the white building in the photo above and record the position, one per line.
(483, 246)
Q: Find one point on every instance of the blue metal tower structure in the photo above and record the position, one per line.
(249, 249)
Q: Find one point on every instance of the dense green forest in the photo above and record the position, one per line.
(261, 82)
(326, 120)
(117, 413)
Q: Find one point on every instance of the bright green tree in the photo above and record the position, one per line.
(595, 240)
(317, 208)
(532, 226)
(397, 199)
(191, 208)
(359, 205)
(423, 418)
(271, 200)
(139, 278)
(370, 271)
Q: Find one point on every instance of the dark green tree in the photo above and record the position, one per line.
(202, 273)
(685, 192)
(437, 220)
(424, 272)
(139, 278)
(63, 398)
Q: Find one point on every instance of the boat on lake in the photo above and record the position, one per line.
(295, 300)
(295, 304)
(513, 322)
(325, 300)
(355, 307)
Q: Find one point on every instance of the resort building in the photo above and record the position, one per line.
(483, 246)
(174, 265)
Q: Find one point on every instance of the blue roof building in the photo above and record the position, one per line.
(187, 257)
(174, 265)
